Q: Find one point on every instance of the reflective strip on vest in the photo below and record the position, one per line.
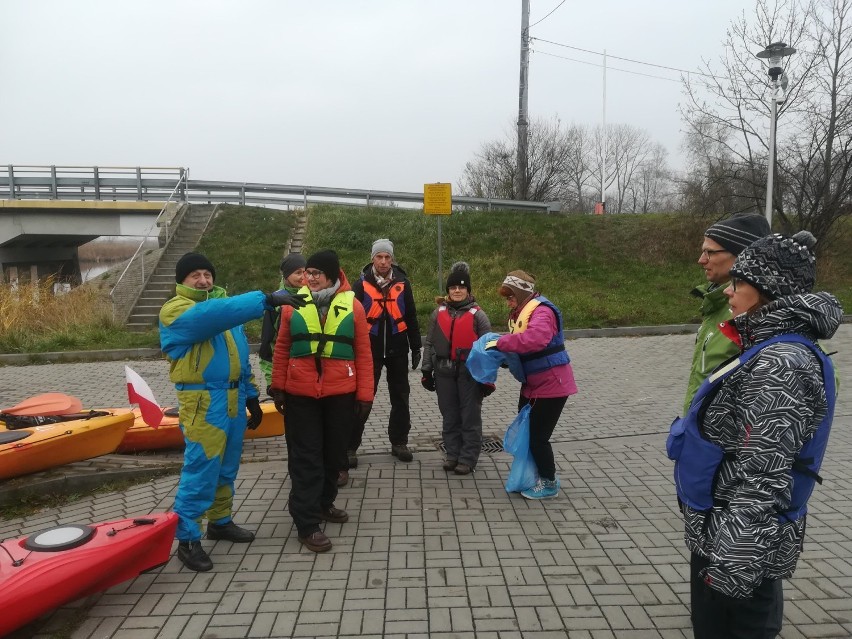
(334, 339)
(697, 459)
(379, 304)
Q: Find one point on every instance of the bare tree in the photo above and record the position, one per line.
(651, 181)
(727, 117)
(579, 168)
(492, 172)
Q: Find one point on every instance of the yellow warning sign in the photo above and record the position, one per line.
(438, 199)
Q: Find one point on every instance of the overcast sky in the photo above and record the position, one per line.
(343, 93)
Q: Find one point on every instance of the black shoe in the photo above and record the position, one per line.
(334, 515)
(463, 469)
(229, 532)
(450, 464)
(401, 452)
(193, 556)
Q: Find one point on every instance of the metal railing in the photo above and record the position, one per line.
(127, 288)
(155, 183)
(111, 183)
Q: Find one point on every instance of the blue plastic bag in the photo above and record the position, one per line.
(516, 442)
(483, 364)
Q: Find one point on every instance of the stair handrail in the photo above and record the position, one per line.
(183, 179)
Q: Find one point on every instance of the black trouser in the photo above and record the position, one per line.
(399, 423)
(718, 616)
(317, 432)
(544, 414)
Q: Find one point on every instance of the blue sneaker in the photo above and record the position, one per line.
(544, 489)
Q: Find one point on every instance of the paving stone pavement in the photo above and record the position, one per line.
(427, 554)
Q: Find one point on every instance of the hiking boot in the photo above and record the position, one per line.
(192, 556)
(463, 469)
(229, 532)
(316, 541)
(544, 489)
(334, 515)
(450, 464)
(342, 478)
(352, 456)
(401, 452)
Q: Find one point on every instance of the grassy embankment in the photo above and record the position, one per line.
(601, 270)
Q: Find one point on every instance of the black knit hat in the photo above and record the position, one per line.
(737, 232)
(291, 263)
(459, 276)
(192, 262)
(777, 265)
(327, 262)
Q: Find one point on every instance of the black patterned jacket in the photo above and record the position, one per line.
(763, 414)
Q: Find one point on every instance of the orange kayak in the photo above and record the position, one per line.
(34, 448)
(141, 437)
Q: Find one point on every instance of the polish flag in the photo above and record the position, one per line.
(138, 392)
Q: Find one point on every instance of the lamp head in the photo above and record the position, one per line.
(775, 52)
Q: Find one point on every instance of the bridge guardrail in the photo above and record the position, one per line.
(155, 184)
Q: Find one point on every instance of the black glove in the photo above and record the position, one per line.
(415, 359)
(486, 389)
(278, 397)
(253, 406)
(285, 298)
(362, 411)
(428, 381)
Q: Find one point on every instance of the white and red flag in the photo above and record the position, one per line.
(138, 392)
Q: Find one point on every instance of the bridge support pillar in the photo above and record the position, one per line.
(25, 265)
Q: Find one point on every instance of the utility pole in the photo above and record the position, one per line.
(523, 102)
(605, 148)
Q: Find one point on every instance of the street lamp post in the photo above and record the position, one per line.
(775, 52)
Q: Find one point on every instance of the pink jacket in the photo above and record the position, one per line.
(554, 382)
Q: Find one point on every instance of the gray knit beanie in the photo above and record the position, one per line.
(777, 265)
(383, 245)
(291, 263)
(737, 232)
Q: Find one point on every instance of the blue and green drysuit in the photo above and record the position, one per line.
(202, 336)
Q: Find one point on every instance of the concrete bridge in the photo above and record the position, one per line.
(41, 237)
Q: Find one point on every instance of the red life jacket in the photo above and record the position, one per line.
(457, 334)
(376, 304)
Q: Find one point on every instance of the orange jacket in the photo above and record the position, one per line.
(298, 376)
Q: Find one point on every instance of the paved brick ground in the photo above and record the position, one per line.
(431, 554)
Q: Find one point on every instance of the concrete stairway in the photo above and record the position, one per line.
(161, 285)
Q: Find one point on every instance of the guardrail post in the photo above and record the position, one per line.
(305, 199)
(243, 195)
(53, 182)
(12, 182)
(97, 182)
(183, 189)
(139, 182)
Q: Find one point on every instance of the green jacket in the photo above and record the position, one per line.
(711, 347)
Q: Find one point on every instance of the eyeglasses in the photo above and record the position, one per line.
(734, 282)
(314, 275)
(708, 253)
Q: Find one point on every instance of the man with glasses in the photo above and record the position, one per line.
(385, 292)
(722, 243)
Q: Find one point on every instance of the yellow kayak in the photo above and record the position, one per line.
(141, 437)
(34, 448)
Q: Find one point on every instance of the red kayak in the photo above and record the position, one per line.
(47, 569)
